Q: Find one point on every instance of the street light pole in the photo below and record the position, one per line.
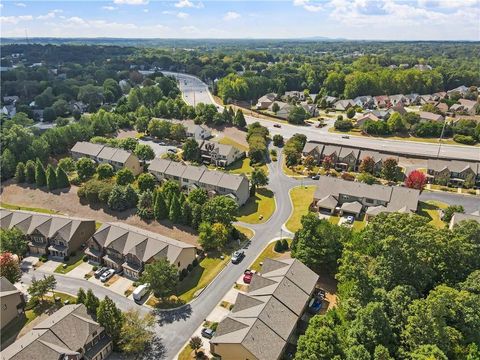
(441, 136)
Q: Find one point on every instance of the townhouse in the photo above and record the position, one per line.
(453, 172)
(126, 248)
(47, 234)
(12, 301)
(378, 159)
(70, 333)
(265, 321)
(381, 101)
(220, 154)
(190, 177)
(459, 217)
(100, 153)
(334, 195)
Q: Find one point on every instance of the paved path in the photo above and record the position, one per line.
(195, 91)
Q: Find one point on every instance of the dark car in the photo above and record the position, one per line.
(100, 271)
(237, 256)
(207, 333)
(277, 125)
(316, 177)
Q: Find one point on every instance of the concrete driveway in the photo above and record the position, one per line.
(28, 262)
(81, 270)
(157, 148)
(121, 285)
(50, 266)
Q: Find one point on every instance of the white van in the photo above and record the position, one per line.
(140, 292)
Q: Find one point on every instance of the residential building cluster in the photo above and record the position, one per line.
(12, 301)
(218, 154)
(264, 322)
(453, 172)
(285, 103)
(54, 235)
(127, 249)
(190, 177)
(352, 198)
(70, 333)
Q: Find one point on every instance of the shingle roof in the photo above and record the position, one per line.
(425, 115)
(102, 151)
(222, 149)
(458, 217)
(87, 148)
(175, 169)
(193, 173)
(211, 178)
(452, 165)
(7, 288)
(159, 165)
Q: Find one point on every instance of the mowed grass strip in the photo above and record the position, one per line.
(259, 208)
(302, 197)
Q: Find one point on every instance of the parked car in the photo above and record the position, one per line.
(208, 333)
(238, 256)
(140, 292)
(100, 271)
(107, 275)
(345, 137)
(350, 219)
(247, 276)
(173, 151)
(277, 125)
(315, 177)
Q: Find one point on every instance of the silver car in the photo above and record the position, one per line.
(107, 275)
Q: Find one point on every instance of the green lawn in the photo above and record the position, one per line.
(263, 204)
(430, 209)
(243, 166)
(186, 353)
(72, 263)
(26, 208)
(268, 252)
(200, 277)
(302, 197)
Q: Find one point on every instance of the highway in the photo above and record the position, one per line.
(196, 91)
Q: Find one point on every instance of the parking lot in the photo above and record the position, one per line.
(158, 148)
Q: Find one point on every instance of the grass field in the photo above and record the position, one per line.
(262, 205)
(431, 209)
(72, 263)
(186, 354)
(26, 208)
(268, 252)
(302, 197)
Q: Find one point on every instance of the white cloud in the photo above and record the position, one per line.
(231, 15)
(49, 15)
(21, 4)
(190, 29)
(168, 12)
(15, 19)
(182, 15)
(188, 4)
(109, 8)
(307, 5)
(131, 2)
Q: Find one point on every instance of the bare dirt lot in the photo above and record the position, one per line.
(68, 203)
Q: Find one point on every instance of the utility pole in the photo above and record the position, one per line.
(441, 136)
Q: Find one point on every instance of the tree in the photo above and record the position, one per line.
(416, 180)
(350, 113)
(367, 165)
(91, 302)
(136, 332)
(159, 208)
(297, 115)
(191, 150)
(85, 168)
(9, 267)
(20, 173)
(212, 236)
(239, 119)
(122, 198)
(67, 164)
(105, 171)
(197, 196)
(145, 205)
(7, 164)
(450, 210)
(177, 132)
(146, 181)
(381, 353)
(125, 176)
(278, 140)
(51, 176)
(40, 177)
(162, 277)
(144, 152)
(309, 162)
(81, 296)
(111, 318)
(195, 343)
(318, 244)
(220, 209)
(13, 241)
(30, 172)
(390, 169)
(49, 114)
(38, 288)
(327, 163)
(275, 108)
(175, 212)
(343, 125)
(60, 107)
(159, 128)
(259, 178)
(428, 352)
(395, 123)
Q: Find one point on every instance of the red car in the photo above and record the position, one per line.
(247, 276)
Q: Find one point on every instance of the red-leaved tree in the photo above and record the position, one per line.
(9, 267)
(327, 163)
(416, 180)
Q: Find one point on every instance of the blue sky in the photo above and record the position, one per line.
(351, 19)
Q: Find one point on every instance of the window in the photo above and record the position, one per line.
(369, 201)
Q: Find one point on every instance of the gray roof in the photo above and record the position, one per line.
(231, 181)
(352, 207)
(397, 197)
(87, 148)
(458, 217)
(328, 202)
(331, 149)
(7, 288)
(345, 151)
(193, 173)
(64, 332)
(211, 177)
(175, 169)
(263, 320)
(46, 224)
(310, 146)
(222, 149)
(425, 115)
(452, 165)
(159, 165)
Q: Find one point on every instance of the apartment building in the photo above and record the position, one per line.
(453, 172)
(128, 248)
(219, 154)
(68, 334)
(264, 321)
(47, 234)
(116, 157)
(189, 177)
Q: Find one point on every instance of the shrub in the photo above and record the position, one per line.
(195, 262)
(348, 176)
(95, 268)
(105, 171)
(367, 178)
(95, 191)
(343, 125)
(43, 258)
(214, 326)
(183, 273)
(85, 258)
(189, 267)
(278, 140)
(278, 246)
(285, 245)
(464, 139)
(66, 258)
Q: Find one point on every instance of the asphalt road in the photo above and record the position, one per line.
(195, 91)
